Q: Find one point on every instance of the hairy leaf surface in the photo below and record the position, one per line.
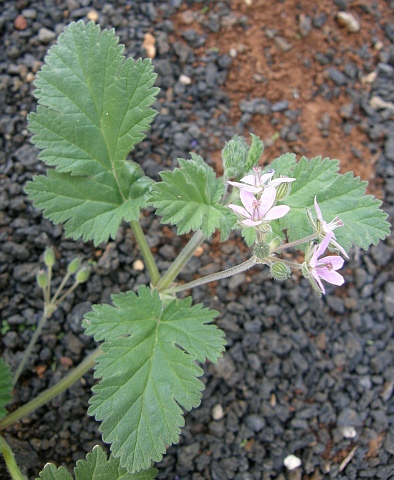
(148, 371)
(94, 106)
(337, 195)
(188, 197)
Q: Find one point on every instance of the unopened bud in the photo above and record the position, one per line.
(83, 274)
(73, 266)
(280, 271)
(262, 251)
(49, 257)
(283, 190)
(42, 279)
(275, 243)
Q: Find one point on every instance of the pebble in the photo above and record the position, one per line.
(291, 462)
(347, 20)
(45, 35)
(217, 412)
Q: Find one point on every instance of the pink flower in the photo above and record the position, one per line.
(325, 268)
(324, 228)
(256, 183)
(259, 210)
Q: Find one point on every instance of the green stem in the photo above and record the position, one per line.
(52, 392)
(214, 276)
(146, 252)
(10, 460)
(180, 261)
(29, 348)
(297, 242)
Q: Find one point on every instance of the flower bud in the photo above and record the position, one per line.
(262, 251)
(283, 190)
(49, 257)
(42, 279)
(83, 274)
(73, 266)
(275, 243)
(280, 271)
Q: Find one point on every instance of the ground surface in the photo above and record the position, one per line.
(302, 376)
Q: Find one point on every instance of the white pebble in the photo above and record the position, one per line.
(348, 21)
(291, 462)
(185, 80)
(138, 265)
(217, 412)
(349, 432)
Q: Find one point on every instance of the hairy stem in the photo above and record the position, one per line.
(214, 276)
(297, 242)
(180, 261)
(146, 252)
(47, 395)
(9, 458)
(29, 348)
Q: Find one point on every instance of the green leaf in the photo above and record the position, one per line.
(5, 387)
(338, 195)
(90, 207)
(283, 165)
(96, 467)
(188, 197)
(239, 158)
(94, 106)
(51, 472)
(148, 371)
(255, 152)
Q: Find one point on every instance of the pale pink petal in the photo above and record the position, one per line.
(279, 181)
(318, 211)
(267, 199)
(243, 186)
(240, 210)
(277, 212)
(335, 260)
(330, 276)
(324, 244)
(251, 223)
(248, 200)
(248, 179)
(267, 176)
(338, 247)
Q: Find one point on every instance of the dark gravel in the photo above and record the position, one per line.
(300, 376)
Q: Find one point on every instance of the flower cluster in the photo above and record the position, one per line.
(259, 193)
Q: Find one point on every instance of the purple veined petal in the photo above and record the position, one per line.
(240, 210)
(330, 276)
(251, 223)
(334, 260)
(317, 278)
(277, 212)
(248, 200)
(323, 246)
(318, 211)
(267, 199)
(279, 181)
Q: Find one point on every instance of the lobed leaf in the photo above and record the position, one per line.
(94, 106)
(188, 197)
(96, 467)
(148, 371)
(338, 195)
